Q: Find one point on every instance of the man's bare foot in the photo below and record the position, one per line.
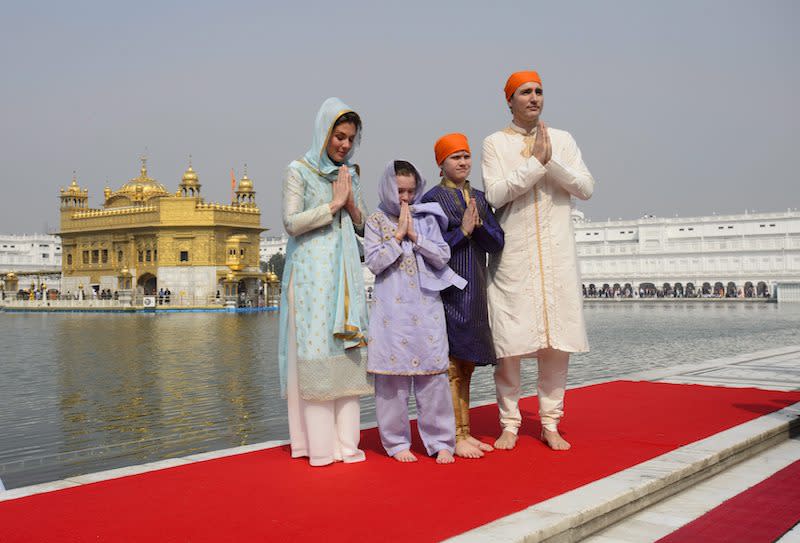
(465, 449)
(405, 456)
(485, 447)
(506, 441)
(554, 440)
(444, 457)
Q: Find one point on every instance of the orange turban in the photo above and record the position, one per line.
(449, 144)
(517, 79)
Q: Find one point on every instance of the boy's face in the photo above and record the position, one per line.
(406, 187)
(457, 166)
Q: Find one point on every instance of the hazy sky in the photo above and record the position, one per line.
(679, 107)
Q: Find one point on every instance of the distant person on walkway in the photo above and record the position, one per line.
(403, 247)
(530, 173)
(323, 313)
(471, 232)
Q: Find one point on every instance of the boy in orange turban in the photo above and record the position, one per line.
(531, 172)
(472, 232)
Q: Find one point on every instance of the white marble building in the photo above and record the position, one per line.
(734, 250)
(30, 253)
(271, 245)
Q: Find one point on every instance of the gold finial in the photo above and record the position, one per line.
(143, 158)
(190, 160)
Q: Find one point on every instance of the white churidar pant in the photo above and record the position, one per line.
(551, 385)
(324, 431)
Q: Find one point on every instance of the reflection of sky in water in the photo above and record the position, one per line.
(85, 392)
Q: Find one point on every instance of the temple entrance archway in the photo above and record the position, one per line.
(148, 283)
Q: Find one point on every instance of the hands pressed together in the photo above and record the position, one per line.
(405, 225)
(542, 149)
(343, 195)
(471, 218)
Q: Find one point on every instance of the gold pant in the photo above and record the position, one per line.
(460, 375)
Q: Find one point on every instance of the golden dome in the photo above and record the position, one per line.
(143, 187)
(245, 185)
(189, 176)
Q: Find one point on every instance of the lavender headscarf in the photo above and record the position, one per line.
(429, 278)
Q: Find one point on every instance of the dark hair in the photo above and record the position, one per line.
(349, 117)
(401, 167)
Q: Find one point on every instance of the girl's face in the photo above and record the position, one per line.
(341, 141)
(457, 166)
(406, 188)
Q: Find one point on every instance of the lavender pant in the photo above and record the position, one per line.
(435, 419)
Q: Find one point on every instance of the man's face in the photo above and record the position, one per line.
(406, 187)
(526, 103)
(456, 167)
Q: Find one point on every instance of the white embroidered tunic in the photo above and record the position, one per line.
(534, 287)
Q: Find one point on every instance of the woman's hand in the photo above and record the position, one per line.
(342, 190)
(412, 235)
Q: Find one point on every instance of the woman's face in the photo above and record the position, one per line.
(341, 141)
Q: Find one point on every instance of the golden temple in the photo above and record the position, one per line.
(162, 240)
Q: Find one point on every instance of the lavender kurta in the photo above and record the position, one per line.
(407, 334)
(466, 311)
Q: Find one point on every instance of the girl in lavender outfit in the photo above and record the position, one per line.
(404, 248)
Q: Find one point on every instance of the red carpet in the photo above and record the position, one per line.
(762, 513)
(266, 495)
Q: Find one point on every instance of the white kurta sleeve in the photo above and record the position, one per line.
(569, 171)
(297, 220)
(501, 188)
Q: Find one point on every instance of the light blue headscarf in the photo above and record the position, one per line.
(317, 157)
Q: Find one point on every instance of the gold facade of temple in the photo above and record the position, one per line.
(165, 240)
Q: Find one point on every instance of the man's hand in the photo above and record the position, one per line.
(542, 149)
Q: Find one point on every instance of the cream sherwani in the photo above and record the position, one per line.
(534, 288)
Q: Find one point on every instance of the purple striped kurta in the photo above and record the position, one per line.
(466, 311)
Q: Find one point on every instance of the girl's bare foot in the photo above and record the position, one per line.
(554, 440)
(465, 449)
(405, 456)
(444, 457)
(485, 447)
(506, 441)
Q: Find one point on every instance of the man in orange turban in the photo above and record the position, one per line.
(472, 232)
(530, 174)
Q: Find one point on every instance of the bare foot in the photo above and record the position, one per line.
(485, 447)
(554, 440)
(465, 449)
(506, 441)
(405, 456)
(444, 457)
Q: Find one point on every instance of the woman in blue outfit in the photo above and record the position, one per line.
(323, 321)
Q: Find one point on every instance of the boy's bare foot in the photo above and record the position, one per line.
(465, 449)
(485, 447)
(506, 441)
(554, 440)
(444, 457)
(405, 456)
